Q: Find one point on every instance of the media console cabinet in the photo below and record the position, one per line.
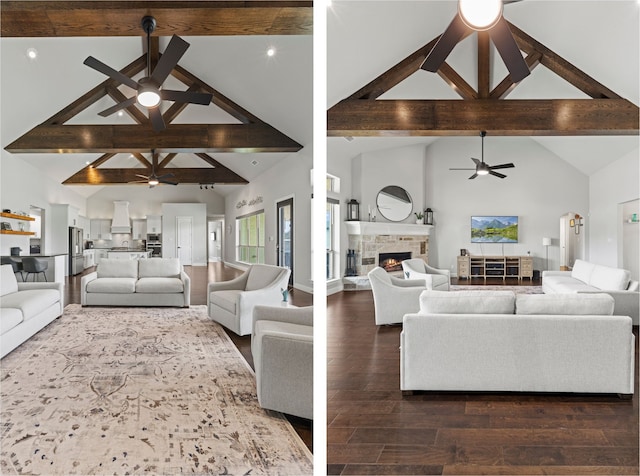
(495, 267)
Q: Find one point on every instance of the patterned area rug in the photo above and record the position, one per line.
(139, 390)
(515, 289)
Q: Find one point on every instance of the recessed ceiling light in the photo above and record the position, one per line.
(271, 51)
(32, 53)
(120, 113)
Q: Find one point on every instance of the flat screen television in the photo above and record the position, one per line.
(494, 229)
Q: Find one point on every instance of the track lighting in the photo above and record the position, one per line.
(206, 186)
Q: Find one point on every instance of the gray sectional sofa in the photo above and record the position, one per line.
(588, 277)
(497, 341)
(144, 282)
(25, 308)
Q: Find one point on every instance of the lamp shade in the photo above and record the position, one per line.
(546, 241)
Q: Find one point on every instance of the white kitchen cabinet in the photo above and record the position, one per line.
(100, 255)
(85, 224)
(101, 229)
(139, 231)
(89, 258)
(154, 224)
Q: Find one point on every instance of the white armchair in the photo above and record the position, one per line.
(282, 349)
(394, 297)
(436, 279)
(231, 303)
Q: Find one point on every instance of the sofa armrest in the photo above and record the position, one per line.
(28, 286)
(627, 303)
(556, 273)
(237, 283)
(186, 283)
(83, 286)
(408, 283)
(432, 270)
(293, 315)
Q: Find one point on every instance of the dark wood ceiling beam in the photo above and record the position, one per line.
(142, 159)
(555, 117)
(122, 18)
(101, 160)
(562, 67)
(240, 138)
(166, 160)
(90, 97)
(107, 176)
(507, 85)
(218, 99)
(208, 159)
(177, 107)
(484, 66)
(456, 82)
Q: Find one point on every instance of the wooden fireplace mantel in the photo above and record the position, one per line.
(387, 228)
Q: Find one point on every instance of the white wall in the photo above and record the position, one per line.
(289, 177)
(609, 187)
(198, 211)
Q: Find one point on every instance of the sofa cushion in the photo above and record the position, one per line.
(467, 302)
(261, 276)
(112, 285)
(159, 268)
(599, 304)
(117, 268)
(8, 282)
(159, 285)
(610, 279)
(225, 299)
(567, 284)
(9, 318)
(31, 302)
(582, 270)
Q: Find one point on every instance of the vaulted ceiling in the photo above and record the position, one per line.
(261, 111)
(584, 78)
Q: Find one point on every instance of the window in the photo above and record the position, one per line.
(250, 238)
(333, 238)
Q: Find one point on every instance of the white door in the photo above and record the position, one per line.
(183, 241)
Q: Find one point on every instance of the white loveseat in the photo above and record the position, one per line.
(144, 282)
(497, 341)
(25, 308)
(588, 277)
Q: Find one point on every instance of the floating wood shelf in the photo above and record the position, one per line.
(15, 232)
(17, 217)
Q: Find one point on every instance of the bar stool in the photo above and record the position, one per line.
(16, 265)
(35, 266)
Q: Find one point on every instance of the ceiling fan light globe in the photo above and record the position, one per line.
(480, 15)
(153, 182)
(148, 98)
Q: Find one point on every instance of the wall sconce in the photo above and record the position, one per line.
(353, 210)
(576, 223)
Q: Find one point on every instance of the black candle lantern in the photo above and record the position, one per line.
(353, 210)
(428, 216)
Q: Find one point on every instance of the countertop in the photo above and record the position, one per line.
(37, 255)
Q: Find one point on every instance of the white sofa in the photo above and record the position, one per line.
(497, 341)
(231, 303)
(587, 277)
(416, 268)
(282, 349)
(393, 297)
(25, 308)
(144, 282)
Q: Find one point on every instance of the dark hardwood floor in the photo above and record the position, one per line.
(374, 429)
(200, 277)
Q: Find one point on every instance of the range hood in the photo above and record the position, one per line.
(120, 223)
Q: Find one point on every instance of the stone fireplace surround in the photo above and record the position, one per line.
(369, 239)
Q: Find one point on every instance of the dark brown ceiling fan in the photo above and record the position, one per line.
(482, 168)
(475, 15)
(149, 93)
(153, 179)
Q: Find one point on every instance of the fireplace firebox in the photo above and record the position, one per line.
(392, 262)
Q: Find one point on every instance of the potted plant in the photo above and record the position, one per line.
(419, 218)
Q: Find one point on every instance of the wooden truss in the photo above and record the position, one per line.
(483, 109)
(249, 136)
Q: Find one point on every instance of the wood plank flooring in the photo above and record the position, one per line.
(200, 277)
(373, 429)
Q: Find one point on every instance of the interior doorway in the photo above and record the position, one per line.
(284, 245)
(629, 247)
(215, 228)
(184, 243)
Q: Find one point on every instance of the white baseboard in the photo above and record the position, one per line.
(334, 286)
(301, 287)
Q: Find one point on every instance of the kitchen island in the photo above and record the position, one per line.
(55, 271)
(128, 254)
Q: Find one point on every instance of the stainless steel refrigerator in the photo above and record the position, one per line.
(76, 260)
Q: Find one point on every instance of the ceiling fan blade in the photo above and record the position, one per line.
(109, 71)
(473, 176)
(461, 169)
(139, 181)
(117, 107)
(449, 39)
(499, 175)
(146, 177)
(156, 119)
(167, 182)
(477, 162)
(169, 59)
(502, 166)
(187, 96)
(508, 49)
(165, 176)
